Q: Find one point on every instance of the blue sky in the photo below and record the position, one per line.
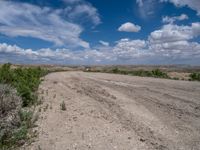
(100, 31)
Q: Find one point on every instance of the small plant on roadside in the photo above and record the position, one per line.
(26, 118)
(20, 135)
(63, 106)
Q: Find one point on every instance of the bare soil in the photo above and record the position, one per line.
(117, 112)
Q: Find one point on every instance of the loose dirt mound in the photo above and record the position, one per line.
(116, 112)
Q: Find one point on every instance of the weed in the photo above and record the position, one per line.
(20, 134)
(26, 118)
(63, 106)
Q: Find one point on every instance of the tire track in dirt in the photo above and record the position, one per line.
(125, 119)
(150, 100)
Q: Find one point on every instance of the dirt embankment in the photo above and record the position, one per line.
(116, 112)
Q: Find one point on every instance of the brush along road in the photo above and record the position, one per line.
(117, 112)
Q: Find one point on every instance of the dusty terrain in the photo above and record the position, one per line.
(116, 112)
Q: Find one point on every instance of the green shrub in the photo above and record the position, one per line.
(6, 75)
(25, 80)
(195, 76)
(115, 70)
(159, 74)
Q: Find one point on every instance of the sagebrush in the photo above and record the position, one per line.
(10, 105)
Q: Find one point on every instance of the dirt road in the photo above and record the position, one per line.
(116, 112)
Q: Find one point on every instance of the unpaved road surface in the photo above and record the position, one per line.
(116, 112)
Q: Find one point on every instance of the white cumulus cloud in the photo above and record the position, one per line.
(15, 54)
(129, 49)
(129, 27)
(173, 41)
